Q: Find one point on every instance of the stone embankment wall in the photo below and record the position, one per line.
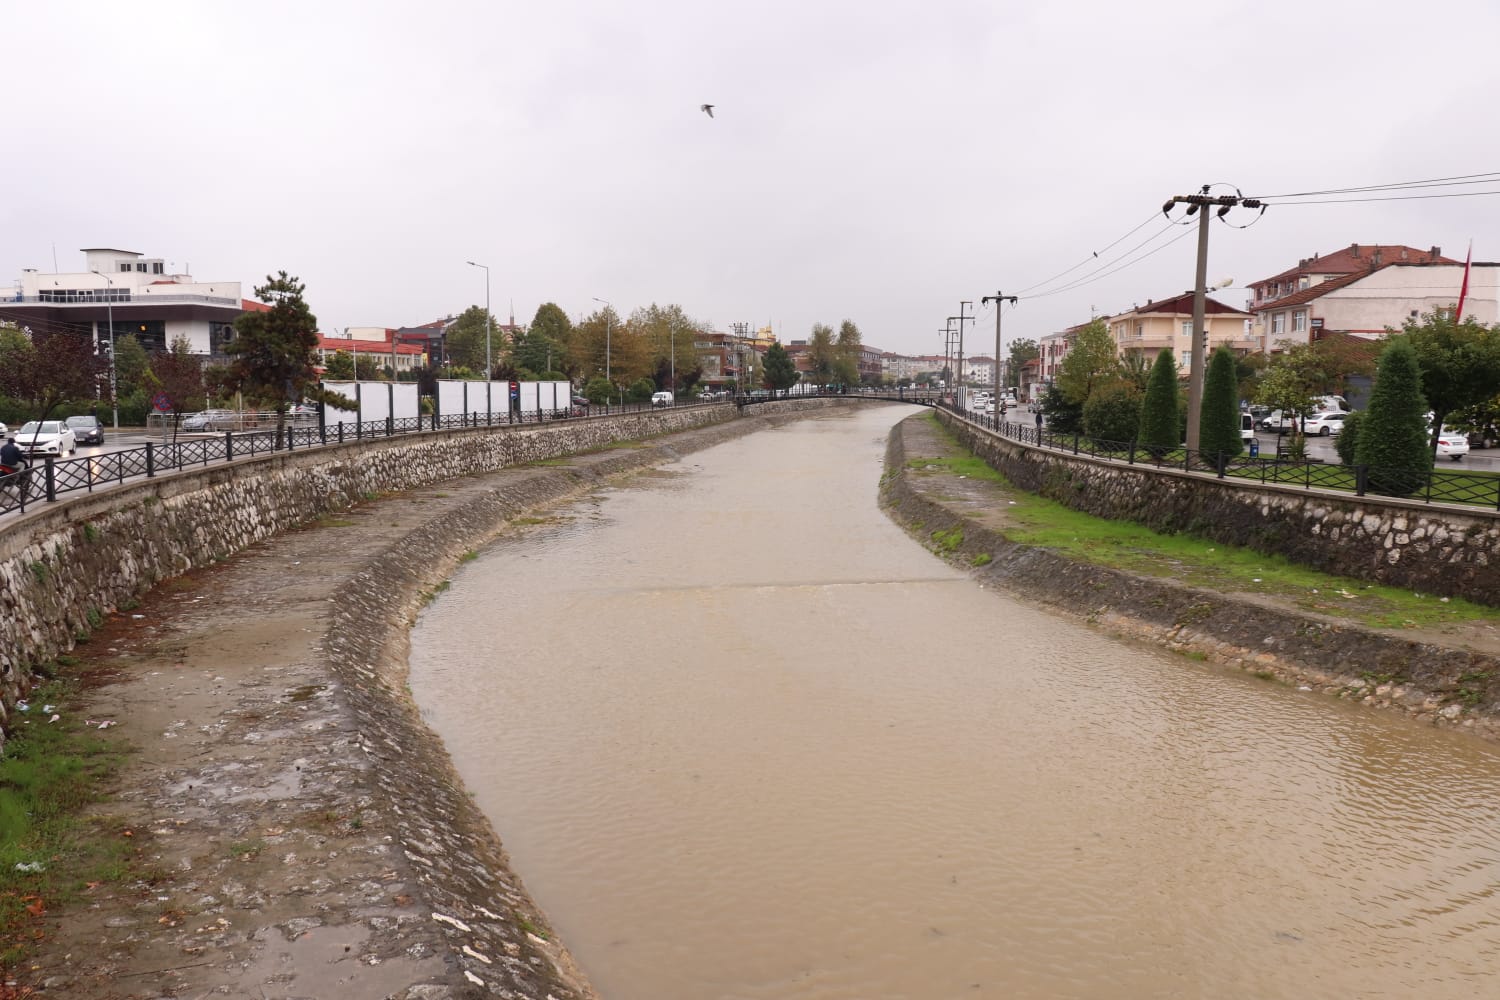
(65, 566)
(1434, 549)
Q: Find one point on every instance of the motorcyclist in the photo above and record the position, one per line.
(12, 458)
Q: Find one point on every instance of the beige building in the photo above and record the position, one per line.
(1145, 330)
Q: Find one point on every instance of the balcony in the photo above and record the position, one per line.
(119, 297)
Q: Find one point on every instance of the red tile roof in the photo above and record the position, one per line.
(364, 346)
(251, 306)
(1360, 257)
(1308, 294)
(1184, 304)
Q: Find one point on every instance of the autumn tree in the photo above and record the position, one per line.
(820, 354)
(1091, 360)
(52, 369)
(846, 350)
(177, 373)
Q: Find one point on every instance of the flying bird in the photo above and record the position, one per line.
(707, 109)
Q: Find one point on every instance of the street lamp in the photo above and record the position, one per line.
(606, 335)
(487, 368)
(109, 307)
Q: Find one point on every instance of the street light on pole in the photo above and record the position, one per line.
(487, 366)
(109, 308)
(607, 317)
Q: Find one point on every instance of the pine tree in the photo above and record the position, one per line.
(1392, 440)
(1159, 422)
(1219, 414)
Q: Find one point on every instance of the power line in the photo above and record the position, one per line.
(1088, 280)
(1406, 197)
(1396, 185)
(1095, 256)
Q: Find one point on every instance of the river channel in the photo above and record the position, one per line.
(744, 738)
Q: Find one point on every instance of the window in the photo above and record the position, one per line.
(1278, 323)
(1299, 321)
(219, 334)
(124, 265)
(1140, 330)
(141, 267)
(157, 268)
(1187, 359)
(1187, 328)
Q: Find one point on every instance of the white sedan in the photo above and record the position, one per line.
(46, 437)
(1452, 444)
(1326, 423)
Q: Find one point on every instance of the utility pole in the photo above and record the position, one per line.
(999, 298)
(949, 343)
(1200, 203)
(964, 396)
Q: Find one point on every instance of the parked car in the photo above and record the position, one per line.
(1326, 423)
(1277, 422)
(4, 430)
(211, 420)
(1247, 429)
(86, 430)
(1452, 444)
(46, 437)
(661, 399)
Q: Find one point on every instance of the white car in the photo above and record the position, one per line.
(661, 399)
(1452, 444)
(48, 437)
(1326, 423)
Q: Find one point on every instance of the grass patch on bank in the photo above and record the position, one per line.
(50, 852)
(1200, 562)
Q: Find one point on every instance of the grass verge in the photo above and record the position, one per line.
(51, 851)
(1199, 562)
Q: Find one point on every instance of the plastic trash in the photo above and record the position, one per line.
(30, 867)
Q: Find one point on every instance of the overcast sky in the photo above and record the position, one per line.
(873, 161)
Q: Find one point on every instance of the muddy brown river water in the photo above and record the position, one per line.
(744, 738)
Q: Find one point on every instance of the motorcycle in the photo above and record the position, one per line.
(16, 481)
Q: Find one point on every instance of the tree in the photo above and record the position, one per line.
(465, 339)
(131, 362)
(1063, 415)
(669, 335)
(846, 351)
(820, 354)
(1459, 363)
(1392, 439)
(1347, 443)
(1021, 351)
(339, 367)
(1112, 413)
(1090, 361)
(1159, 421)
(779, 369)
(1219, 412)
(599, 390)
(544, 344)
(52, 369)
(273, 351)
(178, 374)
(1284, 386)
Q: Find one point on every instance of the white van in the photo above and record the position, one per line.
(1247, 429)
(661, 399)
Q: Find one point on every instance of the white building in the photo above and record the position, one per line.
(1365, 305)
(133, 291)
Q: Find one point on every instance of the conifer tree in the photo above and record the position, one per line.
(1159, 423)
(1219, 413)
(1392, 439)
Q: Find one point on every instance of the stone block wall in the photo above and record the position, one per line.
(1433, 549)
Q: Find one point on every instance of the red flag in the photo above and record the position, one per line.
(1463, 291)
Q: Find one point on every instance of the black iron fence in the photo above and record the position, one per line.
(1432, 485)
(49, 478)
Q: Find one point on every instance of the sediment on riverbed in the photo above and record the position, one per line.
(1448, 685)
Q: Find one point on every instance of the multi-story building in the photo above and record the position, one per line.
(912, 367)
(1054, 347)
(378, 344)
(138, 294)
(1144, 331)
(979, 371)
(1288, 307)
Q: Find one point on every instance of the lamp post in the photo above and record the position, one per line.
(487, 367)
(109, 308)
(607, 318)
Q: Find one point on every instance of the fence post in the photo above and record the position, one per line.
(1075, 442)
(229, 446)
(1132, 454)
(390, 425)
(150, 459)
(341, 432)
(1222, 463)
(51, 478)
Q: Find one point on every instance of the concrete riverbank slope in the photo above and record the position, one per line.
(293, 821)
(1451, 679)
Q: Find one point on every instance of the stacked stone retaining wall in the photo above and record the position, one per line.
(1431, 548)
(65, 566)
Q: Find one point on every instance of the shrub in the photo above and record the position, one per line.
(1219, 414)
(1392, 443)
(640, 391)
(599, 390)
(1113, 413)
(1348, 440)
(1159, 424)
